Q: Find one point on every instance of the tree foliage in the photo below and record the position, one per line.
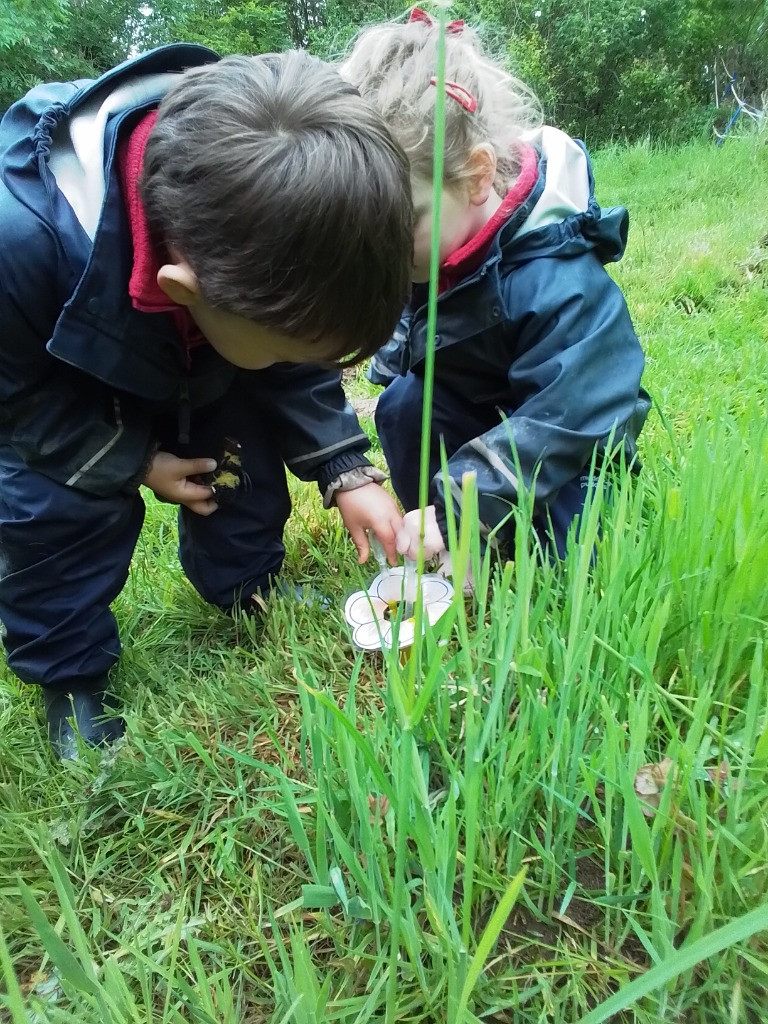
(607, 68)
(28, 30)
(602, 68)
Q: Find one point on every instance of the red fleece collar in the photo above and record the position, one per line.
(145, 293)
(469, 257)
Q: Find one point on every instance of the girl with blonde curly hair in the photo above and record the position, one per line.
(537, 364)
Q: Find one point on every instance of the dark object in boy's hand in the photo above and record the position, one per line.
(228, 479)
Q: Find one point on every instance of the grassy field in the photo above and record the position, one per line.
(295, 833)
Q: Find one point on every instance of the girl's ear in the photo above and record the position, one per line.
(482, 172)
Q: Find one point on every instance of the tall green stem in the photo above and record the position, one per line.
(406, 746)
(429, 361)
(434, 271)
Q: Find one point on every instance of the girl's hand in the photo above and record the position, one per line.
(370, 508)
(408, 536)
(169, 476)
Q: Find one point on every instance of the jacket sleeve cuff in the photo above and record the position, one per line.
(350, 480)
(341, 463)
(133, 483)
(442, 521)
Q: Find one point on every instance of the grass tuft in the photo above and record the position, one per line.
(283, 806)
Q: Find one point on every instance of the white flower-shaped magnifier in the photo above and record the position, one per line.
(371, 613)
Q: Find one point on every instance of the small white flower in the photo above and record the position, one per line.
(371, 613)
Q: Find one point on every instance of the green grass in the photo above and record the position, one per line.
(279, 798)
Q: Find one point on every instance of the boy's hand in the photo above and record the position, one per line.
(370, 508)
(408, 535)
(169, 476)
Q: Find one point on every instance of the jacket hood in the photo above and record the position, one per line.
(68, 125)
(61, 208)
(562, 217)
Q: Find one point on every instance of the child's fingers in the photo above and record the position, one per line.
(201, 508)
(191, 491)
(386, 535)
(408, 544)
(360, 540)
(388, 538)
(191, 467)
(404, 543)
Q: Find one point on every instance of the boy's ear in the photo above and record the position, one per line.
(482, 169)
(179, 283)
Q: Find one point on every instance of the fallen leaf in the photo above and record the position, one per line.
(378, 807)
(650, 782)
(649, 785)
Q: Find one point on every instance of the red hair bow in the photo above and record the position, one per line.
(455, 28)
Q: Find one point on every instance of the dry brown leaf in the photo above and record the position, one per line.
(650, 782)
(378, 807)
(649, 785)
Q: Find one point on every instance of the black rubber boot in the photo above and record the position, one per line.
(79, 710)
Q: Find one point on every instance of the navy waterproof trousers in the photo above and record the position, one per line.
(65, 554)
(455, 422)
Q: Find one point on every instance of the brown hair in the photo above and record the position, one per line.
(287, 196)
(393, 64)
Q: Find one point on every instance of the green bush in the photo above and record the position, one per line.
(651, 100)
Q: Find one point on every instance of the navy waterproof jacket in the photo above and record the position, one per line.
(83, 375)
(542, 332)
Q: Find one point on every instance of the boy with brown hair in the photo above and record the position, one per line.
(191, 248)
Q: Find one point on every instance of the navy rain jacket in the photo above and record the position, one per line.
(84, 375)
(541, 331)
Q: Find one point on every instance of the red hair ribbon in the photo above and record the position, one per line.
(459, 93)
(417, 14)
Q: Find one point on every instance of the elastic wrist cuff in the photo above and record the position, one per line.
(350, 481)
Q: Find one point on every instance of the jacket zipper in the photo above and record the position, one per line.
(185, 412)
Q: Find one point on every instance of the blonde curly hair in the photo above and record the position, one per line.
(393, 65)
